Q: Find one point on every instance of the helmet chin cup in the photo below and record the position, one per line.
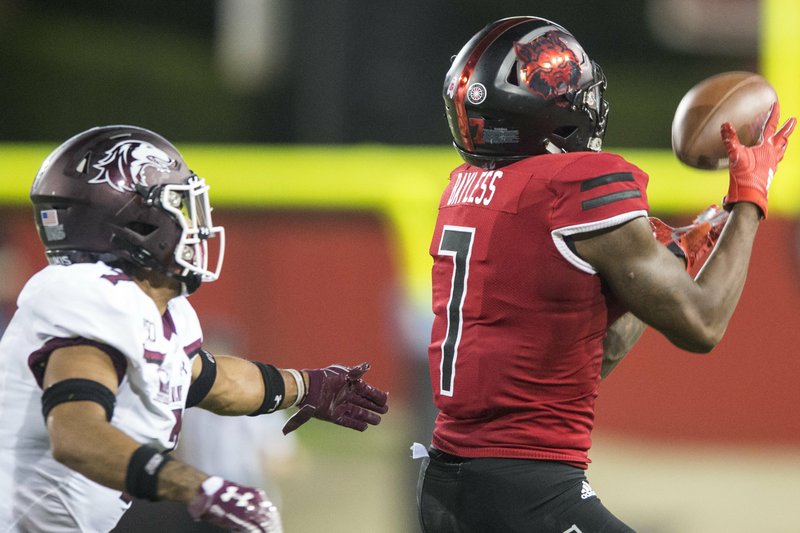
(189, 283)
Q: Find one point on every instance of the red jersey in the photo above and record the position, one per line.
(517, 339)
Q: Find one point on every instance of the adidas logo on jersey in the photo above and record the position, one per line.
(586, 491)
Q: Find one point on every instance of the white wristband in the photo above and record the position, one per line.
(301, 385)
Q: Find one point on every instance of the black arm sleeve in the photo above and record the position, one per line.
(78, 390)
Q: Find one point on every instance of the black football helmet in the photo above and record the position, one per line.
(124, 194)
(523, 86)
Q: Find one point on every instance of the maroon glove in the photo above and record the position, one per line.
(339, 395)
(694, 242)
(233, 506)
(751, 168)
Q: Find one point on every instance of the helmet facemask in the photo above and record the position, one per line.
(189, 206)
(590, 101)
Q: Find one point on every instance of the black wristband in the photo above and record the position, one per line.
(141, 480)
(274, 389)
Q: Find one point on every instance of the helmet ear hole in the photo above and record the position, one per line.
(141, 228)
(564, 131)
(83, 164)
(513, 76)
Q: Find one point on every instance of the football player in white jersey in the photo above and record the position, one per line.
(105, 351)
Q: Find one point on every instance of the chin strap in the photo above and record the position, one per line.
(189, 282)
(142, 258)
(551, 148)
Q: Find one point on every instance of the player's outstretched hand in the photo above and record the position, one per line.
(338, 394)
(694, 242)
(235, 507)
(751, 168)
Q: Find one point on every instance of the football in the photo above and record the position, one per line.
(741, 98)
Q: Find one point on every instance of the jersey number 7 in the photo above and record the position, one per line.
(457, 243)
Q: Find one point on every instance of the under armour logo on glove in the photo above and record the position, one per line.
(235, 507)
(232, 493)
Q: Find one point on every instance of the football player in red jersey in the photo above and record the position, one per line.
(546, 270)
(105, 350)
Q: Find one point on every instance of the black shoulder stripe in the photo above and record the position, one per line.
(610, 198)
(606, 179)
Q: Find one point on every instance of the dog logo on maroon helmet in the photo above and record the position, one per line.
(126, 165)
(549, 67)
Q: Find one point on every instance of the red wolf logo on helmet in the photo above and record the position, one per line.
(125, 165)
(549, 67)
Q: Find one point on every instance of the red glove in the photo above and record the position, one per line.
(235, 507)
(694, 242)
(338, 394)
(751, 168)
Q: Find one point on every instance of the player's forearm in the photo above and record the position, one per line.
(179, 482)
(723, 276)
(240, 389)
(105, 456)
(697, 315)
(89, 444)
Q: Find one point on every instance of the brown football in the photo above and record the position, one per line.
(741, 98)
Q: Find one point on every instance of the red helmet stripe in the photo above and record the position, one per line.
(469, 67)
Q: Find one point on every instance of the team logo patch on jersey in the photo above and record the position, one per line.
(127, 163)
(548, 67)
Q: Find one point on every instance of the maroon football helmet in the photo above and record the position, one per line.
(523, 86)
(124, 194)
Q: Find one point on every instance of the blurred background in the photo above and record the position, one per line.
(281, 71)
(320, 127)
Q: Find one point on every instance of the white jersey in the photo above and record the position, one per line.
(80, 304)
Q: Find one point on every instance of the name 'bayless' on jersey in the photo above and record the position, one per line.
(470, 187)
